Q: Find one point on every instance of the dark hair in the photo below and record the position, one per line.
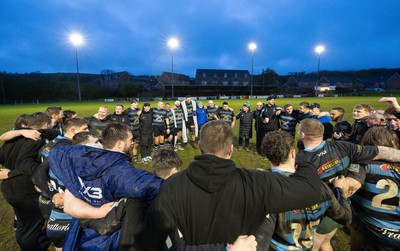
(339, 109)
(287, 105)
(82, 138)
(305, 104)
(164, 160)
(22, 121)
(380, 136)
(78, 122)
(225, 103)
(277, 146)
(114, 132)
(389, 111)
(52, 110)
(216, 137)
(69, 114)
(133, 100)
(120, 105)
(38, 120)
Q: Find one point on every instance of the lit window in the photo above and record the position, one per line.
(225, 75)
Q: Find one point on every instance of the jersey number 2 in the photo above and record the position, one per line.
(391, 193)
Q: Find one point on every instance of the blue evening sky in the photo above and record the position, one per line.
(132, 35)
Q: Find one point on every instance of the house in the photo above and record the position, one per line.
(215, 77)
(114, 80)
(385, 80)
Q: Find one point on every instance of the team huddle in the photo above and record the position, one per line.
(72, 183)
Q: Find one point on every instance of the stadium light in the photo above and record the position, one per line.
(252, 47)
(319, 49)
(77, 40)
(173, 43)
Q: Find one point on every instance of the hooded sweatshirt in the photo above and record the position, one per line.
(214, 201)
(98, 176)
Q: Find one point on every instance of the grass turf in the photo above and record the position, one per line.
(8, 113)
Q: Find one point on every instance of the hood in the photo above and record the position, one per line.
(84, 161)
(210, 172)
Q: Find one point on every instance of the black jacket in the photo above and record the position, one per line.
(121, 118)
(270, 113)
(359, 128)
(214, 201)
(20, 155)
(246, 123)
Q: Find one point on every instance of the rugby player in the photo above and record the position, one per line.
(133, 113)
(294, 229)
(214, 201)
(376, 207)
(333, 158)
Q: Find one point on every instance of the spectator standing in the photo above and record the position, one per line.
(146, 133)
(246, 126)
(258, 126)
(201, 114)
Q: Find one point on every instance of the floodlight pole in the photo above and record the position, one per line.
(77, 73)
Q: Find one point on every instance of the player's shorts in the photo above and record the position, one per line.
(327, 225)
(172, 132)
(45, 206)
(190, 125)
(57, 231)
(136, 136)
(158, 130)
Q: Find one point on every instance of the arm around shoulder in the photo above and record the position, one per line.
(299, 190)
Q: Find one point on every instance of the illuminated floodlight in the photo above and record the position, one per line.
(319, 49)
(252, 47)
(173, 43)
(76, 39)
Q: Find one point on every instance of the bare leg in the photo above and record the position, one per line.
(323, 241)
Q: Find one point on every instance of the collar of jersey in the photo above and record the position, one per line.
(316, 148)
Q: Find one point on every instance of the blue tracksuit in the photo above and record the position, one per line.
(98, 176)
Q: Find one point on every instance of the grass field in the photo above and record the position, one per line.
(245, 159)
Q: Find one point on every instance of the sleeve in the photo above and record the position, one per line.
(357, 153)
(14, 173)
(41, 179)
(238, 115)
(299, 190)
(360, 134)
(345, 128)
(28, 161)
(158, 223)
(143, 185)
(339, 210)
